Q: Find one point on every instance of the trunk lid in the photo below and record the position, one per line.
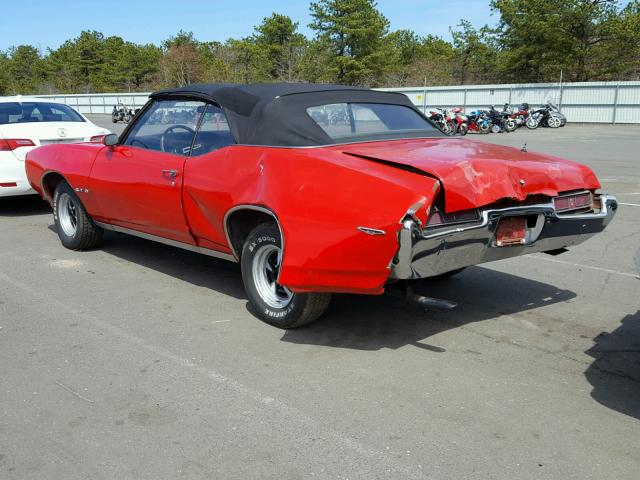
(46, 133)
(474, 174)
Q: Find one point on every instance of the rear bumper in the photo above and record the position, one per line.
(424, 253)
(13, 178)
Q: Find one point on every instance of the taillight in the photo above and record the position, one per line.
(13, 143)
(97, 138)
(573, 202)
(438, 218)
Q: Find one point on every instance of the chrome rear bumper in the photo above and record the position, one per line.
(426, 253)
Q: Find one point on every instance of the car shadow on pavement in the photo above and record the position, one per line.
(372, 323)
(23, 206)
(195, 268)
(615, 371)
(358, 321)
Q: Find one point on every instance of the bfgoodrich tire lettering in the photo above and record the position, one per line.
(271, 302)
(76, 229)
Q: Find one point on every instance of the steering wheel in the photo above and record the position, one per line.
(170, 130)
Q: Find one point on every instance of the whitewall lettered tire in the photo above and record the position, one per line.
(76, 229)
(274, 303)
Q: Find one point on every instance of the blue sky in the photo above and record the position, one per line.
(49, 23)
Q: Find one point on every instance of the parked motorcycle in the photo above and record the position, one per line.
(501, 121)
(442, 119)
(478, 121)
(459, 121)
(547, 116)
(520, 114)
(121, 113)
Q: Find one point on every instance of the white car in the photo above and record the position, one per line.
(27, 123)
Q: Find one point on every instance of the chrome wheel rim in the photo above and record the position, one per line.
(67, 215)
(554, 122)
(265, 269)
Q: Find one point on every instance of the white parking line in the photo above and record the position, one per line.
(629, 204)
(589, 267)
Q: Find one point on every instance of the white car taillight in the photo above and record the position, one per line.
(10, 144)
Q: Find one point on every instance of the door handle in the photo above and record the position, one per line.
(170, 173)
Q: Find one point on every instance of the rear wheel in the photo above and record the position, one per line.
(76, 229)
(274, 303)
(532, 123)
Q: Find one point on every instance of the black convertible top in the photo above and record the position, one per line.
(274, 114)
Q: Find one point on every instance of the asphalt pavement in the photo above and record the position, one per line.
(141, 361)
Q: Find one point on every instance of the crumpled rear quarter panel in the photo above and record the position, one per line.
(320, 198)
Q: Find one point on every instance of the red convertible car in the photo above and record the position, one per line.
(314, 189)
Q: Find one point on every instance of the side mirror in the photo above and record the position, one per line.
(110, 140)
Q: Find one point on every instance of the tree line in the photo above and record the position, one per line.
(352, 43)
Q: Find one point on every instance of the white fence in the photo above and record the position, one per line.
(593, 102)
(99, 102)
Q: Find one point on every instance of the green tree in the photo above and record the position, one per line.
(538, 38)
(180, 39)
(216, 60)
(534, 47)
(139, 63)
(4, 73)
(25, 69)
(353, 33)
(435, 62)
(181, 62)
(474, 57)
(619, 57)
(284, 47)
(405, 46)
(80, 64)
(181, 66)
(248, 61)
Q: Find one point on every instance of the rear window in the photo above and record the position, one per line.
(30, 112)
(362, 121)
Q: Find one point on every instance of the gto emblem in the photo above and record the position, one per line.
(62, 132)
(522, 182)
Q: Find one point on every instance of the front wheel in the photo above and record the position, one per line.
(554, 121)
(76, 229)
(274, 303)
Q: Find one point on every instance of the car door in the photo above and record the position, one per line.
(138, 183)
(210, 177)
